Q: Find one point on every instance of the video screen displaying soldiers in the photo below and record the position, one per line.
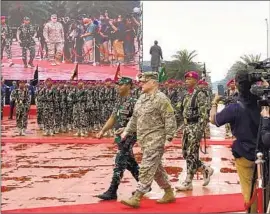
(79, 32)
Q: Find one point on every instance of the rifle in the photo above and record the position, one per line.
(204, 137)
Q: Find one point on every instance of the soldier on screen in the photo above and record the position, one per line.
(54, 37)
(25, 36)
(21, 97)
(6, 41)
(119, 118)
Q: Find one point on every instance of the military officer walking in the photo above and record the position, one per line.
(193, 109)
(54, 37)
(154, 121)
(25, 36)
(119, 118)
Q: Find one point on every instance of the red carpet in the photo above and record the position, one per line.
(199, 204)
(62, 139)
(64, 71)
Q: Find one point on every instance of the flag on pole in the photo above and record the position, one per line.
(162, 77)
(35, 78)
(117, 75)
(75, 72)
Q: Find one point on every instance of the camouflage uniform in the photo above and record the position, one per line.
(79, 97)
(232, 97)
(25, 34)
(154, 121)
(22, 99)
(40, 105)
(70, 93)
(3, 95)
(57, 108)
(90, 107)
(195, 121)
(64, 108)
(122, 112)
(6, 42)
(48, 98)
(54, 36)
(204, 87)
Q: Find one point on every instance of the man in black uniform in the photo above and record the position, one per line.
(119, 118)
(25, 36)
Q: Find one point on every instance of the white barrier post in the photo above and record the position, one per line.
(94, 52)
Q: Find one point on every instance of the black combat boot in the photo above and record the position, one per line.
(25, 63)
(31, 63)
(110, 194)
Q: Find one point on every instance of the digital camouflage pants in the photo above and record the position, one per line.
(40, 115)
(21, 117)
(48, 115)
(6, 45)
(55, 50)
(192, 136)
(151, 167)
(24, 53)
(125, 160)
(79, 116)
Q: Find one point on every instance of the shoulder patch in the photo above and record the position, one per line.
(169, 107)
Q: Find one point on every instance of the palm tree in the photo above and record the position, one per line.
(39, 10)
(16, 10)
(181, 63)
(242, 64)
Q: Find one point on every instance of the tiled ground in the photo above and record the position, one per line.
(41, 175)
(44, 174)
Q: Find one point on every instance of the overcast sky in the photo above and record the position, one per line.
(221, 32)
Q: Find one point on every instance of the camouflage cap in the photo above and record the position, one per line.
(26, 18)
(124, 80)
(149, 75)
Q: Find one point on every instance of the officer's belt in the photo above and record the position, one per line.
(191, 120)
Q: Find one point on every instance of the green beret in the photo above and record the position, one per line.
(124, 80)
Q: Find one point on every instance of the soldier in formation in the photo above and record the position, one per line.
(95, 99)
(119, 118)
(194, 110)
(22, 99)
(81, 106)
(3, 95)
(25, 36)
